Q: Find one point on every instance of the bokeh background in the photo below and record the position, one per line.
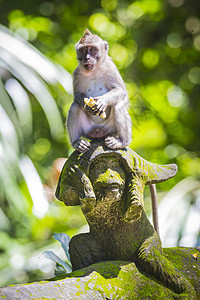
(156, 46)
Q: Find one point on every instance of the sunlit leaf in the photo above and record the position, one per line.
(22, 104)
(64, 239)
(9, 139)
(8, 108)
(51, 255)
(37, 86)
(177, 213)
(10, 187)
(30, 56)
(40, 204)
(4, 221)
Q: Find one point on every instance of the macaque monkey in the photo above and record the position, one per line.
(97, 78)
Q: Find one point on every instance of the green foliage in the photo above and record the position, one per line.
(32, 136)
(155, 45)
(62, 267)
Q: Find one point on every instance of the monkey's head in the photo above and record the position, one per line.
(91, 51)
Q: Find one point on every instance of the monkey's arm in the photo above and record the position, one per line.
(75, 121)
(78, 93)
(112, 98)
(116, 88)
(79, 99)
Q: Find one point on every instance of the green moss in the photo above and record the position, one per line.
(183, 260)
(116, 280)
(127, 284)
(103, 178)
(119, 280)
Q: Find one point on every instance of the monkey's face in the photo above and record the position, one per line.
(88, 56)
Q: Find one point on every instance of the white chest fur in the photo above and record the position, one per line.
(95, 87)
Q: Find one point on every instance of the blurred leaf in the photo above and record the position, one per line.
(37, 86)
(7, 106)
(4, 221)
(9, 140)
(51, 255)
(22, 105)
(32, 58)
(64, 239)
(35, 187)
(178, 212)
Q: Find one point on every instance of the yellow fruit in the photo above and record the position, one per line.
(91, 102)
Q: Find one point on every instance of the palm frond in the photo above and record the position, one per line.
(25, 74)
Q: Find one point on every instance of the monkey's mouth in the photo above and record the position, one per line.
(88, 67)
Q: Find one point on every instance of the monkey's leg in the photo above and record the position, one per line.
(84, 251)
(122, 122)
(76, 122)
(151, 260)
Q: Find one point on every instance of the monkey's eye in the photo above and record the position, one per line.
(93, 50)
(82, 51)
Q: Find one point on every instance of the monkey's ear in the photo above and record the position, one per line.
(157, 173)
(106, 46)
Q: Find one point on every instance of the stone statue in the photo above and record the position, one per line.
(109, 187)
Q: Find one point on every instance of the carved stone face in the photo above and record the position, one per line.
(108, 178)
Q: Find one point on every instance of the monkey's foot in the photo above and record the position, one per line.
(81, 145)
(114, 143)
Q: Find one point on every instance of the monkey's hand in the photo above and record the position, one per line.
(81, 145)
(91, 107)
(101, 104)
(91, 110)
